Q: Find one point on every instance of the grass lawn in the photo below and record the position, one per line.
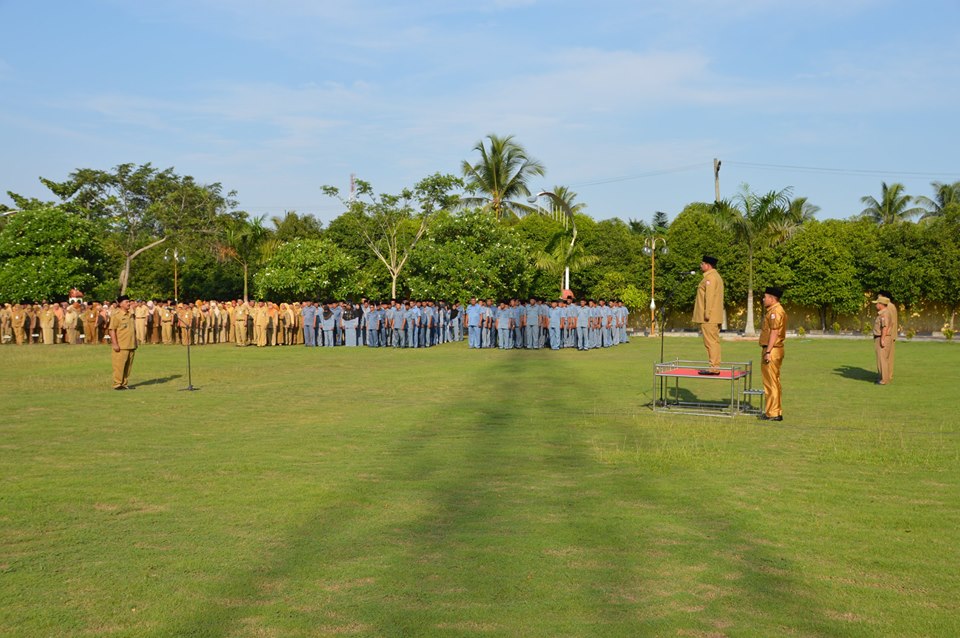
(447, 492)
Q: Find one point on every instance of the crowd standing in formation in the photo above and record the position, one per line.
(397, 324)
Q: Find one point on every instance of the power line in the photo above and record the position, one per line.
(838, 171)
(611, 180)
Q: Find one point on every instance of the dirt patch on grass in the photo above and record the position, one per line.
(347, 584)
(469, 626)
(845, 616)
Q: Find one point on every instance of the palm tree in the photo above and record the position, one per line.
(945, 196)
(797, 213)
(893, 207)
(561, 256)
(243, 242)
(500, 176)
(756, 221)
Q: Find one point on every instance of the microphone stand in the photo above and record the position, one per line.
(189, 329)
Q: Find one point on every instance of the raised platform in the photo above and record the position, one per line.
(737, 398)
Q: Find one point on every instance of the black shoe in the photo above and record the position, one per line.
(129, 387)
(711, 373)
(120, 387)
(764, 417)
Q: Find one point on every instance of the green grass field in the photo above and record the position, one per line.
(448, 492)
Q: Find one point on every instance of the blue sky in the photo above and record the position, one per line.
(626, 103)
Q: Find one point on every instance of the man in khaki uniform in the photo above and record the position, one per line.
(140, 314)
(240, 316)
(166, 323)
(261, 324)
(123, 340)
(772, 335)
(48, 323)
(708, 311)
(89, 317)
(19, 322)
(882, 339)
(894, 319)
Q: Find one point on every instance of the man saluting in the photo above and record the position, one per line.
(708, 311)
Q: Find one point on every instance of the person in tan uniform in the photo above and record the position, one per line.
(48, 323)
(19, 322)
(894, 319)
(166, 322)
(708, 311)
(89, 316)
(71, 320)
(6, 323)
(123, 340)
(882, 339)
(772, 335)
(58, 328)
(240, 315)
(261, 324)
(140, 315)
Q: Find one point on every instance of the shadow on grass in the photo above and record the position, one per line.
(158, 380)
(519, 529)
(857, 374)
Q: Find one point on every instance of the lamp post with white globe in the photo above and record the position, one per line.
(650, 245)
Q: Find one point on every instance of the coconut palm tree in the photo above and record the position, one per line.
(945, 196)
(756, 221)
(500, 177)
(797, 213)
(243, 243)
(561, 256)
(893, 207)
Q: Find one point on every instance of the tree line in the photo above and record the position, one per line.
(152, 233)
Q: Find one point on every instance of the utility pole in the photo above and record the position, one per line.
(716, 179)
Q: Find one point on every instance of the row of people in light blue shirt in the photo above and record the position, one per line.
(407, 324)
(538, 324)
(583, 325)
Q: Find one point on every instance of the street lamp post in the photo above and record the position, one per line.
(573, 225)
(650, 248)
(177, 260)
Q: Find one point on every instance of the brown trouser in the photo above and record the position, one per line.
(771, 382)
(122, 363)
(711, 341)
(89, 333)
(884, 358)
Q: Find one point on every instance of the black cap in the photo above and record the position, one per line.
(707, 259)
(773, 290)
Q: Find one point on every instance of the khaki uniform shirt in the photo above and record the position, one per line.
(774, 318)
(122, 322)
(708, 307)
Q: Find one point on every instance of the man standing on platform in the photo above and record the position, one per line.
(772, 335)
(123, 340)
(883, 340)
(708, 311)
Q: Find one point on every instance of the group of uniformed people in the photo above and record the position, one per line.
(560, 323)
(397, 324)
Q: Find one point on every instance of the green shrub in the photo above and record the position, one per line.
(836, 327)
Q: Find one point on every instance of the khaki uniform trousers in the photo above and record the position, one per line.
(19, 335)
(884, 358)
(140, 325)
(711, 341)
(240, 333)
(89, 332)
(122, 363)
(771, 382)
(166, 328)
